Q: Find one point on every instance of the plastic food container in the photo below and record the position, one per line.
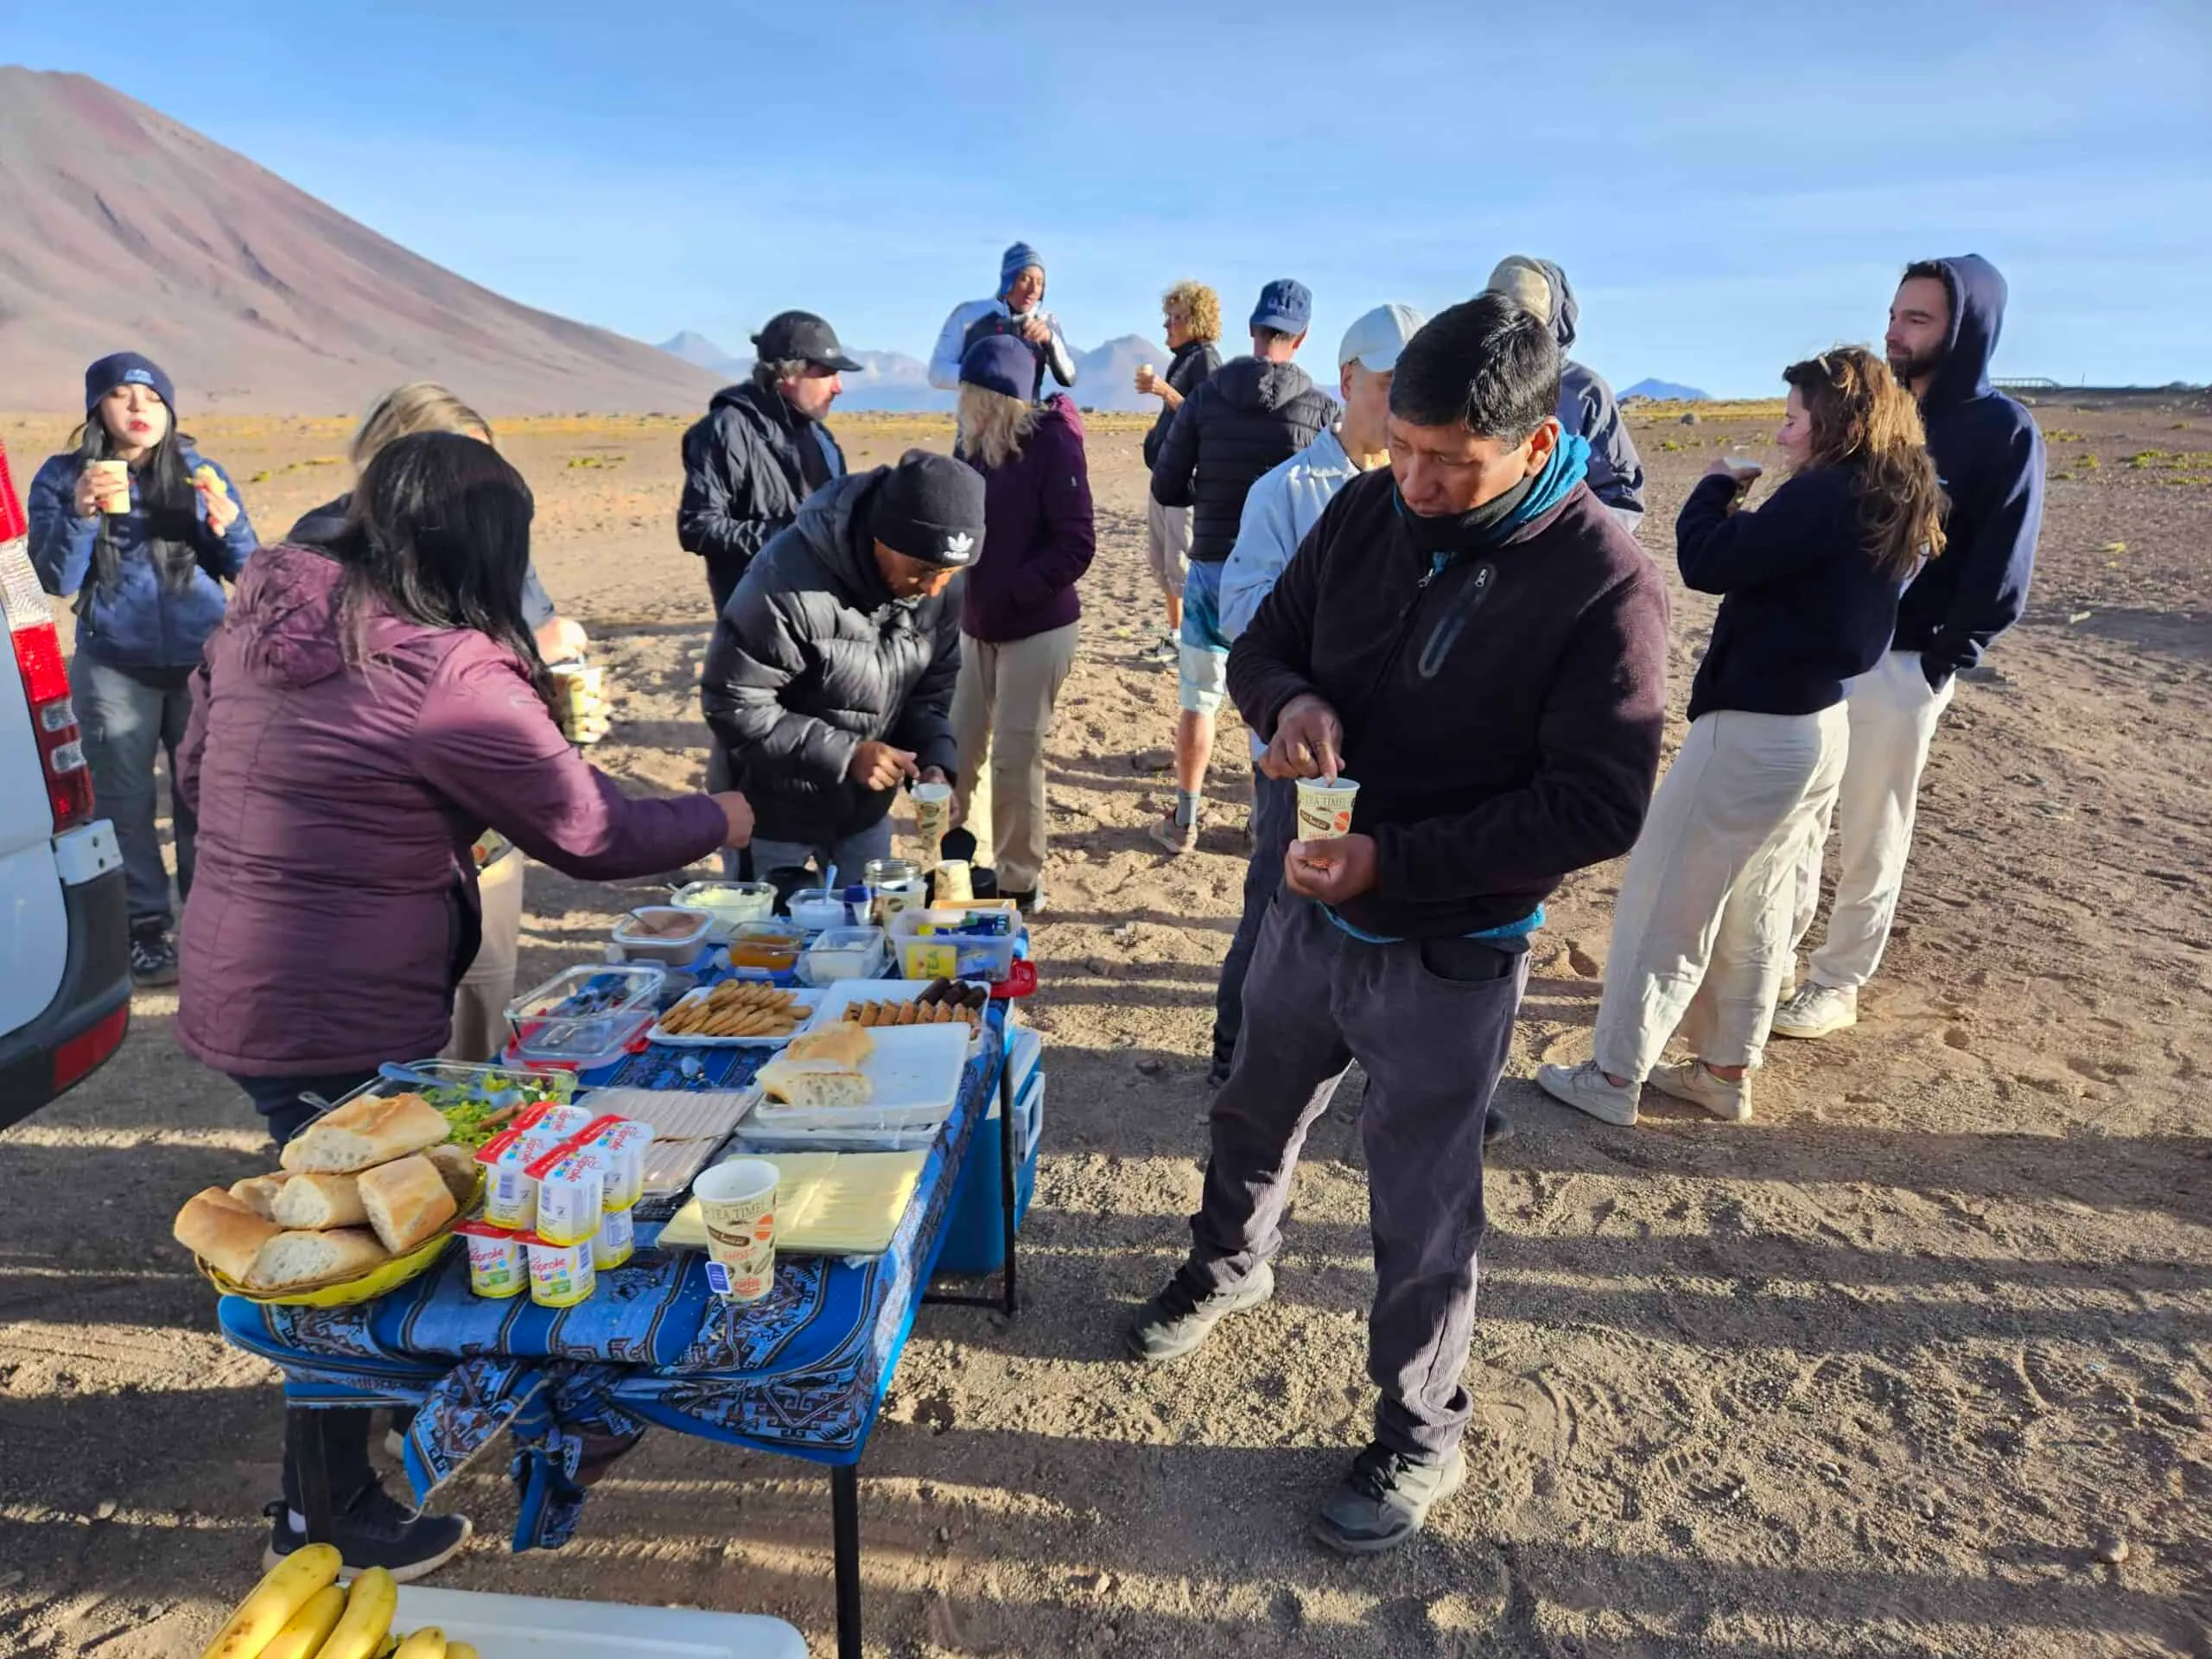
(926, 952)
(846, 953)
(615, 1241)
(582, 1012)
(561, 1275)
(666, 933)
(498, 1268)
(726, 904)
(816, 908)
(771, 947)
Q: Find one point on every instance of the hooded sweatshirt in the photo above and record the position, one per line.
(333, 907)
(1248, 417)
(1989, 454)
(1039, 533)
(1586, 404)
(813, 656)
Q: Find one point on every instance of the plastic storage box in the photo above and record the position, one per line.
(952, 955)
(584, 1016)
(975, 1238)
(677, 949)
(726, 904)
(846, 953)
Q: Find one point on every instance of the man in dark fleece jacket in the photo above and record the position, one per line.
(1249, 416)
(1474, 638)
(1943, 328)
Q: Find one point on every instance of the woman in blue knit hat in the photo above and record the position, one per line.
(1017, 311)
(144, 531)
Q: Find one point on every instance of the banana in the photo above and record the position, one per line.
(462, 1650)
(367, 1619)
(306, 1632)
(288, 1587)
(429, 1643)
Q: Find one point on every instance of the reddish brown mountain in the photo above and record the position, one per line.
(121, 228)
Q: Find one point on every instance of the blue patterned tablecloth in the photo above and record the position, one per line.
(803, 1372)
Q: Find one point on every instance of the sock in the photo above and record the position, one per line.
(1187, 805)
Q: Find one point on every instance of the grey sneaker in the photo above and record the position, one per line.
(1177, 837)
(1816, 1011)
(1386, 1500)
(1179, 1318)
(1584, 1087)
(1698, 1083)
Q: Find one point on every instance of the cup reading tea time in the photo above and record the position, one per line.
(932, 818)
(1325, 807)
(112, 483)
(737, 1202)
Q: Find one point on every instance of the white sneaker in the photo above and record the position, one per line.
(1584, 1087)
(1697, 1083)
(1789, 982)
(1816, 1011)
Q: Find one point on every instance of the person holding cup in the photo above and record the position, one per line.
(1810, 585)
(1019, 615)
(1472, 636)
(145, 531)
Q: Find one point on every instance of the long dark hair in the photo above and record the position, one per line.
(1864, 419)
(438, 532)
(164, 497)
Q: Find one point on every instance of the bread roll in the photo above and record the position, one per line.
(406, 1201)
(259, 1193)
(458, 1166)
(316, 1203)
(845, 1045)
(292, 1259)
(365, 1133)
(222, 1232)
(815, 1083)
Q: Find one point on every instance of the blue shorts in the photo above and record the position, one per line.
(1202, 667)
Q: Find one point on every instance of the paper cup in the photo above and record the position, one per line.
(1325, 808)
(737, 1202)
(955, 882)
(115, 484)
(932, 818)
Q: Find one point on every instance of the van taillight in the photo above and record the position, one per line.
(38, 662)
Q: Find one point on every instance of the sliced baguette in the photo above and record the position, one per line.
(406, 1201)
(365, 1133)
(222, 1232)
(846, 1045)
(316, 1203)
(259, 1193)
(458, 1166)
(295, 1259)
(815, 1083)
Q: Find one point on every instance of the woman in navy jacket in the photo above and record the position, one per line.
(146, 547)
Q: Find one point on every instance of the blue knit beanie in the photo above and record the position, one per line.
(125, 369)
(1006, 364)
(1017, 259)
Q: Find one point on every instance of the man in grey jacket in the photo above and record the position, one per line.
(1586, 404)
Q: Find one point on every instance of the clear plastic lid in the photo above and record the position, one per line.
(585, 1011)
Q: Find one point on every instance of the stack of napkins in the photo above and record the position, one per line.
(827, 1203)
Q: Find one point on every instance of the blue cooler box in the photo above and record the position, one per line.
(975, 1238)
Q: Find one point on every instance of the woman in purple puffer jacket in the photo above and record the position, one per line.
(364, 713)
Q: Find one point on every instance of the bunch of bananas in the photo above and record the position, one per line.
(299, 1612)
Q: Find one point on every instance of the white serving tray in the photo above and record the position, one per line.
(915, 1072)
(809, 1001)
(525, 1627)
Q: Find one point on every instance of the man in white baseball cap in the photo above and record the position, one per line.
(1281, 507)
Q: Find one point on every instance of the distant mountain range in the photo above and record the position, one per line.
(1667, 391)
(1105, 377)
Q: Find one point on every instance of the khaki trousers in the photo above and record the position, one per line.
(1001, 712)
(480, 1003)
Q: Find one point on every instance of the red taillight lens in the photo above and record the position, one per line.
(38, 660)
(79, 1055)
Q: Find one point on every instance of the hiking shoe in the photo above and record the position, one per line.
(153, 955)
(1386, 1500)
(1177, 838)
(1584, 1087)
(1697, 1083)
(1179, 1318)
(1497, 1127)
(376, 1529)
(1816, 1011)
(1167, 652)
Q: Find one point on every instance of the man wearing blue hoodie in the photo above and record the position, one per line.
(1586, 404)
(1943, 328)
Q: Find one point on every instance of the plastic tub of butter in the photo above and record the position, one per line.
(498, 1268)
(561, 1275)
(727, 904)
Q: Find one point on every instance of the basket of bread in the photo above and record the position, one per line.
(366, 1199)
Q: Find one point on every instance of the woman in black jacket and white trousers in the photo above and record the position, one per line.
(1810, 585)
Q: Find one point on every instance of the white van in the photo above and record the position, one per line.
(65, 937)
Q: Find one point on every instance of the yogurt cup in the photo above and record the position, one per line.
(561, 1275)
(550, 1120)
(497, 1266)
(571, 1181)
(1325, 808)
(510, 1189)
(623, 1143)
(932, 818)
(615, 1241)
(114, 484)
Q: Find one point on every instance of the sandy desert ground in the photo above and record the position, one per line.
(1883, 1372)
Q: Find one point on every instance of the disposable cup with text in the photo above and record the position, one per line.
(933, 816)
(1325, 808)
(737, 1202)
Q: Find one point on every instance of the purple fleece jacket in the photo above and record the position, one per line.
(1039, 535)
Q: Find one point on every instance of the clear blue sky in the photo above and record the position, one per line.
(1730, 185)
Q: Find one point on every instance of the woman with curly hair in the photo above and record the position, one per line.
(1810, 585)
(1192, 313)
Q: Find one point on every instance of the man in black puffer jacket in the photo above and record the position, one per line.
(1254, 413)
(830, 680)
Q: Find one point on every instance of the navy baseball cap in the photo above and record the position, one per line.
(1285, 306)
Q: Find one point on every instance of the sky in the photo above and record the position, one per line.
(1728, 187)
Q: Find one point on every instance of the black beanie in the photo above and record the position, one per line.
(929, 508)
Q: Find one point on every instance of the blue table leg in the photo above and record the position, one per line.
(845, 1527)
